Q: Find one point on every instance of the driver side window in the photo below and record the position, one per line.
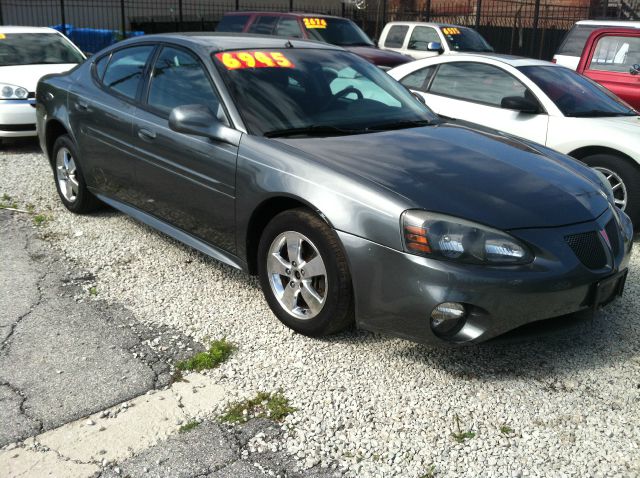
(421, 37)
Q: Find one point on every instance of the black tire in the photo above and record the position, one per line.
(84, 201)
(629, 173)
(337, 311)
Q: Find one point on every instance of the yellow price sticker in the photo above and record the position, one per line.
(2, 36)
(451, 31)
(314, 23)
(236, 60)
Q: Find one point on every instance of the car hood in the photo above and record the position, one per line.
(27, 76)
(379, 57)
(490, 178)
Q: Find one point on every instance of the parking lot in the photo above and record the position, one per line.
(542, 403)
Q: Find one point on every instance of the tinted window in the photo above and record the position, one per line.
(465, 39)
(616, 53)
(573, 43)
(101, 65)
(476, 82)
(419, 79)
(232, 23)
(178, 80)
(288, 27)
(336, 31)
(574, 94)
(263, 24)
(125, 70)
(421, 37)
(395, 37)
(37, 49)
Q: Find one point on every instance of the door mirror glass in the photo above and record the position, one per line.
(435, 46)
(519, 103)
(198, 120)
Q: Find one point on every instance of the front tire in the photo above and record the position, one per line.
(69, 179)
(624, 178)
(304, 274)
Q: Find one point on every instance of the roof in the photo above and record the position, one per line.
(426, 24)
(515, 61)
(11, 29)
(610, 23)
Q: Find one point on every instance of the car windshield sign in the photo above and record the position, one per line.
(337, 31)
(316, 92)
(465, 39)
(36, 49)
(576, 95)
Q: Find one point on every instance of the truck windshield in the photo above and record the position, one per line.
(36, 49)
(465, 39)
(336, 31)
(576, 95)
(297, 91)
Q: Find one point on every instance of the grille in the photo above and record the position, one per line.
(612, 231)
(588, 248)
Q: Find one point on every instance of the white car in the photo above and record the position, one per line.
(26, 55)
(571, 48)
(539, 101)
(423, 40)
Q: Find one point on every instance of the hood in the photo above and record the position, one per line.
(379, 57)
(489, 178)
(27, 76)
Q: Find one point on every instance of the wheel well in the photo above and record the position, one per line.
(591, 150)
(54, 130)
(260, 217)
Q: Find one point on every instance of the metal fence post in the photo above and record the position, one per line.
(63, 18)
(290, 5)
(237, 5)
(180, 17)
(428, 11)
(478, 12)
(534, 33)
(123, 20)
(384, 13)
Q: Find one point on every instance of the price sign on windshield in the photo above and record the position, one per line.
(235, 60)
(451, 31)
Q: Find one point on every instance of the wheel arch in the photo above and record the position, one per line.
(262, 215)
(53, 130)
(585, 151)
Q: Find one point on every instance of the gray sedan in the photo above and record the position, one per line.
(351, 200)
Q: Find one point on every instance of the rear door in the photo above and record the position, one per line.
(611, 63)
(474, 92)
(187, 181)
(395, 39)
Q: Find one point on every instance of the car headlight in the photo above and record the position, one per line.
(449, 238)
(605, 185)
(12, 92)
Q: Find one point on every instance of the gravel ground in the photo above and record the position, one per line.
(567, 404)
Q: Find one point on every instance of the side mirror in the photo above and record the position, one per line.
(435, 46)
(519, 103)
(198, 120)
(635, 69)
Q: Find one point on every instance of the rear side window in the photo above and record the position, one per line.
(264, 25)
(419, 79)
(101, 65)
(421, 37)
(573, 43)
(289, 27)
(395, 37)
(232, 23)
(125, 70)
(476, 82)
(616, 53)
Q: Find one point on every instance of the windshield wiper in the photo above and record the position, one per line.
(601, 114)
(312, 130)
(402, 125)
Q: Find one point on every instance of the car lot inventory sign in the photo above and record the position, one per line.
(236, 60)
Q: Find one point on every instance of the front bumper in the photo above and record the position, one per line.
(396, 292)
(17, 118)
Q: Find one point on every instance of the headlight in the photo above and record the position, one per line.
(449, 238)
(605, 185)
(11, 92)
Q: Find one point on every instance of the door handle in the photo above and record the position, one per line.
(146, 134)
(82, 106)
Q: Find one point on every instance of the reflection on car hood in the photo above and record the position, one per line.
(489, 178)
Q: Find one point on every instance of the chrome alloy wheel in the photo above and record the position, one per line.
(619, 189)
(66, 175)
(297, 275)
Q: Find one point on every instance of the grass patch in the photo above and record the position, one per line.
(274, 406)
(459, 435)
(218, 352)
(507, 430)
(93, 291)
(40, 219)
(430, 472)
(7, 202)
(187, 427)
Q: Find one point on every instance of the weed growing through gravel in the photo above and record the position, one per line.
(506, 430)
(93, 291)
(40, 219)
(218, 352)
(187, 427)
(274, 406)
(7, 202)
(430, 472)
(459, 435)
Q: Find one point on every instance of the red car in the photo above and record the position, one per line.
(325, 28)
(611, 57)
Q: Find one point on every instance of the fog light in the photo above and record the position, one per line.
(448, 318)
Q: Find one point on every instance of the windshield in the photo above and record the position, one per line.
(321, 91)
(336, 31)
(465, 39)
(574, 94)
(36, 49)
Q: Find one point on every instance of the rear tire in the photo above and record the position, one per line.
(69, 179)
(625, 172)
(304, 274)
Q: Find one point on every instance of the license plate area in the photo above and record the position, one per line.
(609, 289)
